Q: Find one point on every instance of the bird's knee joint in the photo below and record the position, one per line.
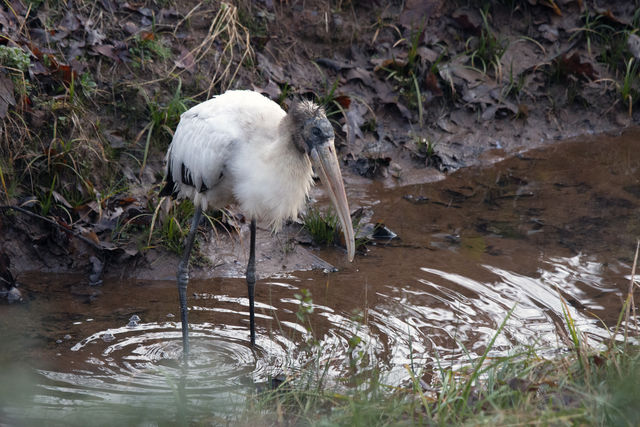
(251, 277)
(183, 277)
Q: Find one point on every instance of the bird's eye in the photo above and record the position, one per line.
(316, 132)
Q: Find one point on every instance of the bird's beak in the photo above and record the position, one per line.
(326, 164)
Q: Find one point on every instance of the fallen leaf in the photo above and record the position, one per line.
(144, 11)
(521, 55)
(94, 206)
(130, 27)
(6, 95)
(106, 50)
(91, 235)
(390, 63)
(447, 125)
(186, 60)
(115, 139)
(95, 36)
(335, 65)
(427, 54)
(70, 21)
(523, 110)
(147, 35)
(468, 20)
(67, 73)
(416, 12)
(126, 201)
(549, 33)
(573, 65)
(59, 34)
(359, 73)
(406, 113)
(344, 101)
(76, 49)
(457, 74)
(431, 83)
(60, 199)
(37, 68)
(269, 69)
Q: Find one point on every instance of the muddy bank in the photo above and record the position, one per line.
(435, 85)
(580, 195)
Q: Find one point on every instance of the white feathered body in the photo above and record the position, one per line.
(235, 148)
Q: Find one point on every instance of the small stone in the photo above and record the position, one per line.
(395, 169)
(14, 295)
(133, 321)
(381, 231)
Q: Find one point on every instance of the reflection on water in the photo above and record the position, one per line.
(538, 234)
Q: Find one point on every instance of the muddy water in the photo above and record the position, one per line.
(540, 233)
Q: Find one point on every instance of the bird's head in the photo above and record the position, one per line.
(310, 126)
(313, 135)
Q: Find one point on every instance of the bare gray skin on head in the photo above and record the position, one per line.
(308, 125)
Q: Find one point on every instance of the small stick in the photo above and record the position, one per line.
(54, 223)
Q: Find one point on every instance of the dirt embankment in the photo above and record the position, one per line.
(90, 93)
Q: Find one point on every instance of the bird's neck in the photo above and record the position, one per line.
(287, 131)
(287, 150)
(277, 181)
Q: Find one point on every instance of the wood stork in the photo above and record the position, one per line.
(240, 147)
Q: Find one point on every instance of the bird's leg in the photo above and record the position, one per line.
(183, 280)
(251, 281)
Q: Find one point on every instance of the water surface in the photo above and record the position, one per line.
(543, 233)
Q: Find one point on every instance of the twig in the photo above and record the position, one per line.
(54, 223)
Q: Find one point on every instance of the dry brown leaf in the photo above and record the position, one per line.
(574, 65)
(91, 235)
(6, 95)
(344, 101)
(106, 50)
(186, 60)
(431, 83)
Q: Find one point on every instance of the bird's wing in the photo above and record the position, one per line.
(201, 146)
(214, 134)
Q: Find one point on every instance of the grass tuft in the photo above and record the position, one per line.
(323, 227)
(486, 50)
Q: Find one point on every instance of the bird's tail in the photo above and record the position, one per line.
(169, 188)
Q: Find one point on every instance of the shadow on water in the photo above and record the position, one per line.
(547, 229)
